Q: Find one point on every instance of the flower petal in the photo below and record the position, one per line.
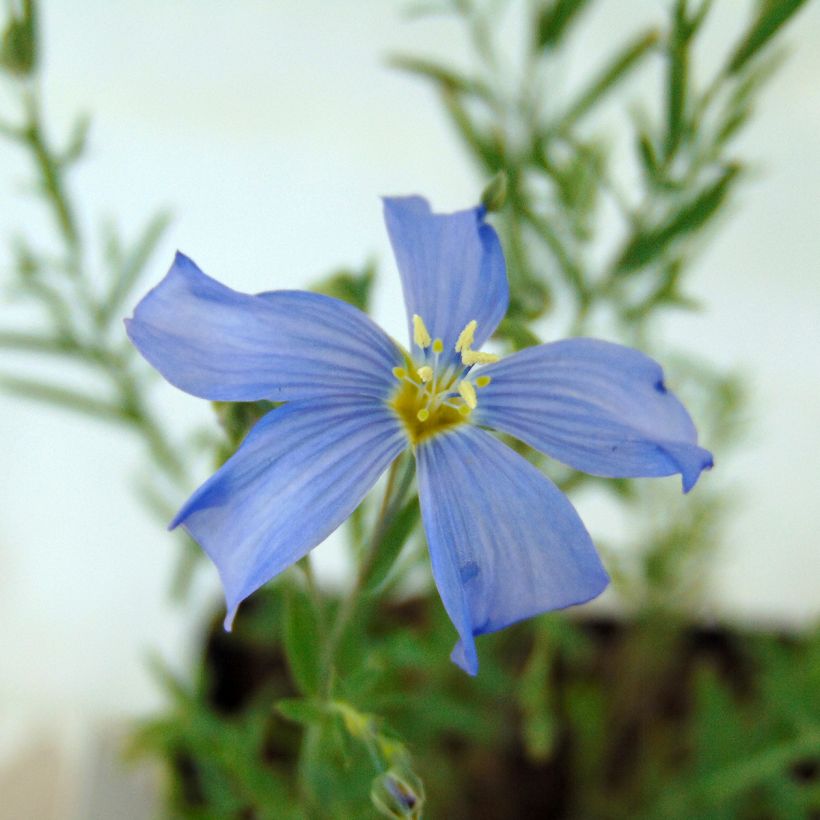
(505, 543)
(222, 345)
(452, 269)
(298, 475)
(597, 406)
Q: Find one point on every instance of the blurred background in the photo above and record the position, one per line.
(269, 130)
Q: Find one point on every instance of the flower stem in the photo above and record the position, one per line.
(398, 482)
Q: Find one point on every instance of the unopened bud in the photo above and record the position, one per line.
(398, 794)
(495, 194)
(18, 49)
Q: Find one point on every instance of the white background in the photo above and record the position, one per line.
(271, 129)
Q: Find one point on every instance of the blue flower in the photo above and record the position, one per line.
(505, 543)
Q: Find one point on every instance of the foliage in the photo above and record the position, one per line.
(324, 706)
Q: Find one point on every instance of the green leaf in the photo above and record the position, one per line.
(618, 69)
(772, 16)
(302, 710)
(63, 397)
(486, 148)
(649, 244)
(554, 21)
(303, 645)
(132, 265)
(353, 287)
(446, 78)
(77, 141)
(519, 335)
(391, 544)
(677, 77)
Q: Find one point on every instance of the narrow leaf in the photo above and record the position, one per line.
(625, 61)
(302, 641)
(302, 710)
(677, 77)
(63, 397)
(134, 263)
(518, 334)
(77, 141)
(446, 78)
(554, 21)
(647, 245)
(773, 15)
(484, 147)
(392, 542)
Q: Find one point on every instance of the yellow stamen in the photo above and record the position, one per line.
(438, 346)
(464, 410)
(425, 373)
(423, 414)
(465, 339)
(467, 392)
(420, 335)
(476, 357)
(399, 372)
(483, 381)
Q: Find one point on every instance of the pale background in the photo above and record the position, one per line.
(271, 129)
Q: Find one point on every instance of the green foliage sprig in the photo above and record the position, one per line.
(325, 705)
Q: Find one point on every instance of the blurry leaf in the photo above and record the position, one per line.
(446, 78)
(190, 557)
(133, 264)
(180, 692)
(624, 62)
(77, 141)
(391, 544)
(677, 77)
(738, 109)
(18, 48)
(484, 147)
(555, 19)
(519, 335)
(63, 397)
(649, 244)
(349, 286)
(303, 645)
(645, 147)
(32, 343)
(772, 15)
(535, 698)
(302, 710)
(568, 266)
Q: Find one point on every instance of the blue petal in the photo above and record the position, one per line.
(300, 473)
(452, 269)
(505, 543)
(222, 345)
(599, 407)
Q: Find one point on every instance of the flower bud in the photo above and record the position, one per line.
(18, 49)
(495, 194)
(398, 794)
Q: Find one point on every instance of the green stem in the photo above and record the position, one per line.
(394, 493)
(50, 173)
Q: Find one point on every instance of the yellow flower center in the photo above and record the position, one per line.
(431, 396)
